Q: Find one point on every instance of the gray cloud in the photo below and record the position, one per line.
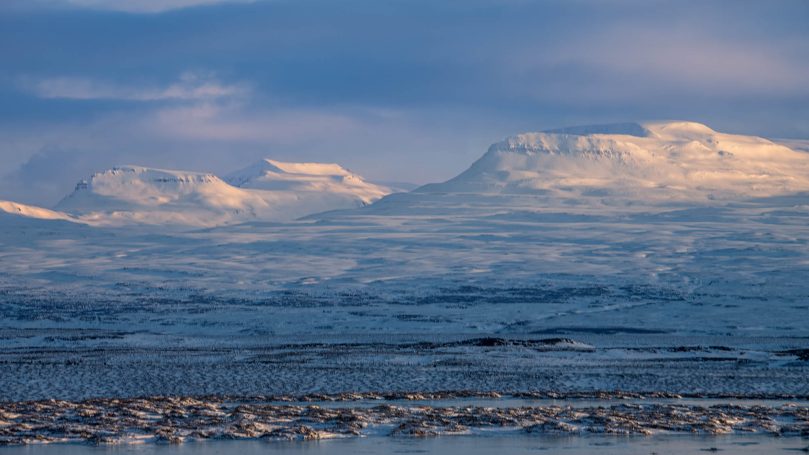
(679, 59)
(43, 180)
(190, 86)
(410, 90)
(135, 6)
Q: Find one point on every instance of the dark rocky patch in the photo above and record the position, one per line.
(801, 354)
(599, 331)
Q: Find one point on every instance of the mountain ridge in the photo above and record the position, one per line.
(143, 195)
(268, 174)
(586, 166)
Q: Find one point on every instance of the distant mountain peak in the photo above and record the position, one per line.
(130, 187)
(268, 167)
(669, 128)
(268, 190)
(677, 160)
(269, 174)
(677, 128)
(630, 128)
(307, 168)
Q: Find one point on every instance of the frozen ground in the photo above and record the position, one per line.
(706, 300)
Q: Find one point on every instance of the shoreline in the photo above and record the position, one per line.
(184, 419)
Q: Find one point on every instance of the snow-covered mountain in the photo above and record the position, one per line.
(591, 167)
(679, 161)
(156, 196)
(308, 178)
(267, 191)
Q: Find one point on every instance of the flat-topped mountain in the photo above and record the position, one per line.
(589, 167)
(644, 161)
(267, 191)
(328, 178)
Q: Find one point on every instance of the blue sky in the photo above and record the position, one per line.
(402, 90)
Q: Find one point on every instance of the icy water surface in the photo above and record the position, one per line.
(578, 445)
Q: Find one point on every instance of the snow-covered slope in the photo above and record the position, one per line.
(30, 211)
(801, 145)
(155, 196)
(680, 161)
(266, 191)
(304, 178)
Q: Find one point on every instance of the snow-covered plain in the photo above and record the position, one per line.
(646, 257)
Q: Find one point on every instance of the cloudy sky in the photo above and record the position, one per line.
(396, 90)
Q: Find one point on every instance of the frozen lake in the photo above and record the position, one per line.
(576, 445)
